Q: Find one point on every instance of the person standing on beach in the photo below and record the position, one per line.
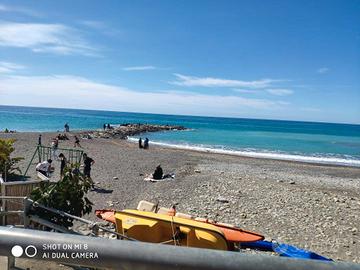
(62, 164)
(77, 142)
(54, 147)
(140, 143)
(146, 143)
(66, 127)
(39, 140)
(88, 162)
(104, 126)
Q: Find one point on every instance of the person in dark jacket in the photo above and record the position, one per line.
(39, 140)
(88, 162)
(158, 173)
(146, 143)
(140, 143)
(62, 164)
(77, 142)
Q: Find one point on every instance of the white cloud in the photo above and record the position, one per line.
(93, 24)
(323, 70)
(53, 38)
(246, 91)
(17, 9)
(7, 67)
(183, 80)
(139, 68)
(280, 92)
(78, 92)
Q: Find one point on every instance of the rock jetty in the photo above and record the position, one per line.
(125, 130)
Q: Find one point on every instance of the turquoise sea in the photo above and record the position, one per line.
(290, 140)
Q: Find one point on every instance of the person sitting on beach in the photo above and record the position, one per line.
(63, 162)
(146, 143)
(140, 143)
(63, 137)
(44, 167)
(77, 142)
(88, 162)
(158, 173)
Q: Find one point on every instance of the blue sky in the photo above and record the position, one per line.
(296, 60)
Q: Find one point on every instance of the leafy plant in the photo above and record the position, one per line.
(68, 195)
(7, 163)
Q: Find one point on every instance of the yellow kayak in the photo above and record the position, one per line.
(161, 228)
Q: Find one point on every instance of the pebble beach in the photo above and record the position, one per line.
(315, 207)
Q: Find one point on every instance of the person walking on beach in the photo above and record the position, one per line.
(88, 162)
(63, 162)
(104, 126)
(39, 140)
(54, 147)
(77, 142)
(146, 143)
(108, 126)
(140, 143)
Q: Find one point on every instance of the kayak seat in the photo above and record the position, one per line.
(164, 211)
(146, 206)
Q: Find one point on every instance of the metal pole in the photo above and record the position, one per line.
(32, 158)
(126, 255)
(92, 224)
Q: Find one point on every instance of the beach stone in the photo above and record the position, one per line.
(243, 215)
(115, 178)
(222, 200)
(292, 182)
(197, 171)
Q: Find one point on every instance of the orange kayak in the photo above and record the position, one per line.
(108, 215)
(232, 234)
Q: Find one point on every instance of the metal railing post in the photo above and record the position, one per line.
(120, 254)
(27, 206)
(10, 263)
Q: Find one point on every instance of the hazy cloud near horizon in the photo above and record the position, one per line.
(79, 92)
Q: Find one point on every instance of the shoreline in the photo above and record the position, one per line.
(256, 155)
(282, 157)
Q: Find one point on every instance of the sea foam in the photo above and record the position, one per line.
(260, 154)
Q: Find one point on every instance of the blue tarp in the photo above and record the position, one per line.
(284, 250)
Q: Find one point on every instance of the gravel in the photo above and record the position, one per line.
(316, 207)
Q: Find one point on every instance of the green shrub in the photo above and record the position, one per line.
(68, 195)
(7, 163)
